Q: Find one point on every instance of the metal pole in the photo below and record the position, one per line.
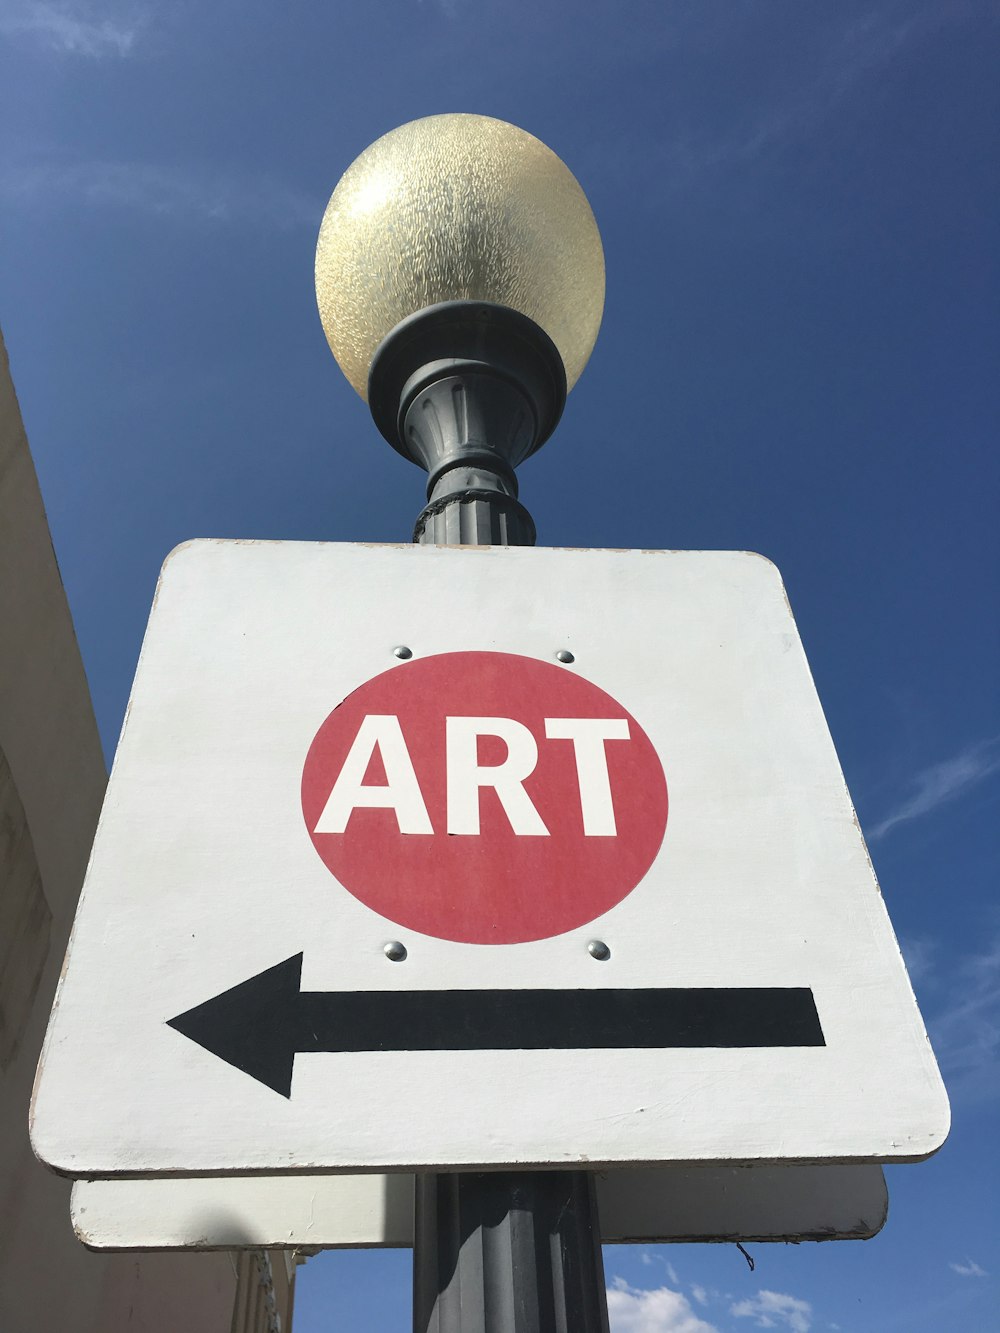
(508, 1252)
(468, 390)
(502, 1252)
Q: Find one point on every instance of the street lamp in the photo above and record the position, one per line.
(460, 281)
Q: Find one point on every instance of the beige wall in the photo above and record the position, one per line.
(52, 780)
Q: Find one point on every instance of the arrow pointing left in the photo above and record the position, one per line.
(253, 1026)
(259, 1025)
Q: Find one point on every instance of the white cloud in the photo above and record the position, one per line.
(940, 784)
(183, 194)
(699, 1293)
(672, 1275)
(73, 28)
(660, 1310)
(969, 1269)
(775, 1309)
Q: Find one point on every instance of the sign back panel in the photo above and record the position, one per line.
(758, 1203)
(452, 857)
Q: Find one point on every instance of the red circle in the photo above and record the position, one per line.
(494, 886)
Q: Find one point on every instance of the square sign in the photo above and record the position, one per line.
(429, 857)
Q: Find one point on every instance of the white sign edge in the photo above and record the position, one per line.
(696, 1204)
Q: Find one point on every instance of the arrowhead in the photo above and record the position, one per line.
(252, 1025)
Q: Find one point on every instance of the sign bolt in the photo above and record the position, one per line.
(564, 655)
(599, 950)
(394, 951)
(402, 652)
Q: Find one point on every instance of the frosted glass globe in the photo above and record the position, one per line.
(457, 207)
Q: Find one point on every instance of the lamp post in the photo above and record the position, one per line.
(460, 281)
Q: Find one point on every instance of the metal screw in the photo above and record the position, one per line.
(402, 652)
(599, 950)
(564, 655)
(394, 951)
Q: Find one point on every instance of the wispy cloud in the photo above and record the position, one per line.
(918, 955)
(657, 1310)
(849, 58)
(183, 194)
(969, 1269)
(74, 29)
(775, 1309)
(858, 52)
(944, 782)
(651, 1257)
(966, 1033)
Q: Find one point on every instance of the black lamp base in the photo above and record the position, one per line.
(468, 390)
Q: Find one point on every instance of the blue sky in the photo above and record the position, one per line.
(798, 203)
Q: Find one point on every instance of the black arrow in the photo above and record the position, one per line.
(259, 1025)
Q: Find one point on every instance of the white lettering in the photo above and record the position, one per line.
(401, 792)
(466, 776)
(588, 735)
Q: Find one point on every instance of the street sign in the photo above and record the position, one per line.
(420, 857)
(758, 1203)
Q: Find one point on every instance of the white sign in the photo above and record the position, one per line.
(421, 857)
(758, 1203)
